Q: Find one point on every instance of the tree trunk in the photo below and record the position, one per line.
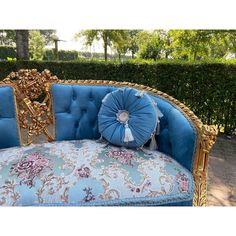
(132, 54)
(166, 55)
(56, 49)
(105, 40)
(22, 44)
(194, 55)
(105, 51)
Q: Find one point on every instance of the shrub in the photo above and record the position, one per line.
(62, 54)
(7, 51)
(208, 88)
(36, 45)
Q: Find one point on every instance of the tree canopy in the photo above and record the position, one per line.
(169, 44)
(145, 44)
(8, 37)
(36, 45)
(115, 38)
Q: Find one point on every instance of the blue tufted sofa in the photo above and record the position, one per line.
(79, 170)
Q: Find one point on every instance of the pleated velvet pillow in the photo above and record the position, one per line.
(127, 117)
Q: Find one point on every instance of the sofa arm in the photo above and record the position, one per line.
(187, 140)
(178, 137)
(183, 138)
(207, 138)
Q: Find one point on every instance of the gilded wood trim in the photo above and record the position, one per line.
(33, 116)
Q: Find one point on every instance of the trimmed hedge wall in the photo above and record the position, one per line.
(62, 55)
(209, 89)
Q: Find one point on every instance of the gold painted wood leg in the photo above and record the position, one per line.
(200, 194)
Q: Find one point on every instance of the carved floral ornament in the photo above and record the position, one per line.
(33, 103)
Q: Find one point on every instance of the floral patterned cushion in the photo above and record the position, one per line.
(86, 172)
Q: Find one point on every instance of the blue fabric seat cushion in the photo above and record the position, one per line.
(127, 117)
(85, 172)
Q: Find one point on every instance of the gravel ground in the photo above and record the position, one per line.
(222, 173)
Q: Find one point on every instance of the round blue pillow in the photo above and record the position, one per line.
(127, 117)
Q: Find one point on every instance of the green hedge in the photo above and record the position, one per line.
(63, 55)
(6, 51)
(209, 89)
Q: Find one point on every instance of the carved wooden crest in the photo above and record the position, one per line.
(34, 104)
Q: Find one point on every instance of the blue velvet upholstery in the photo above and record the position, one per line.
(139, 115)
(9, 135)
(177, 136)
(76, 109)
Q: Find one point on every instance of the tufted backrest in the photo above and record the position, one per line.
(76, 108)
(9, 132)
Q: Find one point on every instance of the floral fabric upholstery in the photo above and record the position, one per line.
(85, 172)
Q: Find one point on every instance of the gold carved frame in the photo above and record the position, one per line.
(34, 116)
(41, 116)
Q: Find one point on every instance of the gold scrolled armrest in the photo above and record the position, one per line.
(207, 138)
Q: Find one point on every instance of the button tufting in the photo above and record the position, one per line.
(90, 96)
(76, 124)
(93, 123)
(74, 96)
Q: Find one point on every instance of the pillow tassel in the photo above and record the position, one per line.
(146, 151)
(128, 134)
(100, 140)
(153, 143)
(158, 127)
